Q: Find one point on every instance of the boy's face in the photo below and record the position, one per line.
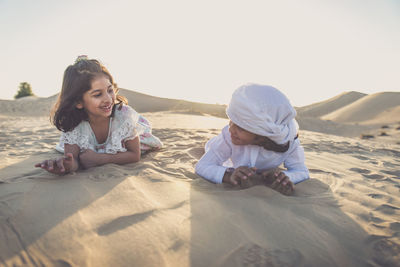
(240, 136)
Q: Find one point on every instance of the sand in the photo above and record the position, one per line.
(159, 213)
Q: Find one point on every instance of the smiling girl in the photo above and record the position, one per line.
(261, 135)
(97, 125)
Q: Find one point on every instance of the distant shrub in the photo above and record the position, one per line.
(398, 128)
(367, 136)
(384, 127)
(384, 134)
(25, 89)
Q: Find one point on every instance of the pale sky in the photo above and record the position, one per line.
(203, 50)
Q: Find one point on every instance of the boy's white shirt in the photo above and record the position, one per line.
(221, 154)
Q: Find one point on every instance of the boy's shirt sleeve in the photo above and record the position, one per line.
(218, 150)
(296, 168)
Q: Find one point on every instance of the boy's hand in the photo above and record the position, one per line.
(277, 180)
(240, 176)
(60, 165)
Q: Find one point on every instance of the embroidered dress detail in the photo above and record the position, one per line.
(78, 136)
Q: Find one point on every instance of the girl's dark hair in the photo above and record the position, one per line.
(268, 144)
(77, 80)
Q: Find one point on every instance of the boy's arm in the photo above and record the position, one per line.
(210, 168)
(295, 165)
(218, 150)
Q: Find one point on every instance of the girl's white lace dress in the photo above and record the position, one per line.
(126, 124)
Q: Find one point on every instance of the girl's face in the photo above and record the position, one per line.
(99, 100)
(240, 136)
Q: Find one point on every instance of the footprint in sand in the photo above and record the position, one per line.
(384, 251)
(391, 181)
(196, 137)
(394, 173)
(196, 152)
(326, 172)
(102, 176)
(371, 218)
(390, 165)
(358, 170)
(360, 157)
(190, 174)
(184, 158)
(156, 180)
(389, 152)
(387, 209)
(317, 171)
(376, 196)
(395, 226)
(373, 176)
(62, 263)
(255, 255)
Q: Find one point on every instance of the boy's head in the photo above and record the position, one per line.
(263, 110)
(240, 136)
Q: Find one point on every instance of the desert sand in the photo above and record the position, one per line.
(158, 212)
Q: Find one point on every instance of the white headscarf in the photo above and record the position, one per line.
(263, 110)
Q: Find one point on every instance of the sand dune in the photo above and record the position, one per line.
(159, 213)
(389, 115)
(147, 103)
(27, 106)
(36, 106)
(322, 108)
(330, 127)
(354, 114)
(367, 109)
(350, 114)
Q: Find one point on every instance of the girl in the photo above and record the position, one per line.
(262, 134)
(97, 128)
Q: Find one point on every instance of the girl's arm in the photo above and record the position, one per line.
(62, 165)
(89, 158)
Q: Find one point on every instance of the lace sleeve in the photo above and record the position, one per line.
(129, 128)
(124, 128)
(78, 136)
(127, 125)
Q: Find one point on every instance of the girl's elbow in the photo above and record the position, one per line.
(134, 157)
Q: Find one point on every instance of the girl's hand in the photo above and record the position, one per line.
(240, 176)
(277, 180)
(60, 165)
